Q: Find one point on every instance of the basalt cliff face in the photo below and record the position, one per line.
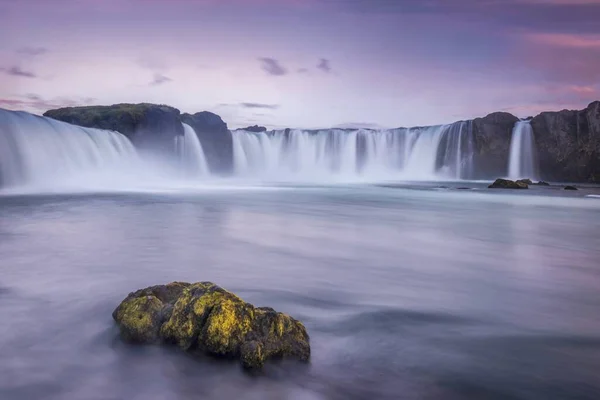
(216, 140)
(148, 126)
(567, 142)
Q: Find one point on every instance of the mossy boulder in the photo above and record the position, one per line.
(508, 184)
(142, 313)
(203, 317)
(526, 181)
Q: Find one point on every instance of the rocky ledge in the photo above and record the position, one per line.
(203, 317)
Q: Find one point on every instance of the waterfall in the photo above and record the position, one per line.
(429, 153)
(38, 150)
(44, 153)
(522, 160)
(191, 153)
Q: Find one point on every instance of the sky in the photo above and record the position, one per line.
(304, 63)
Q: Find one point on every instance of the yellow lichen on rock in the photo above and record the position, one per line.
(203, 316)
(139, 319)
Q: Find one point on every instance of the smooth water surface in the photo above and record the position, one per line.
(407, 294)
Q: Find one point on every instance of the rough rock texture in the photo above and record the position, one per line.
(492, 135)
(204, 317)
(255, 128)
(568, 144)
(148, 126)
(216, 139)
(508, 184)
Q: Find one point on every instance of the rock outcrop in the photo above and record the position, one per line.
(508, 184)
(148, 126)
(202, 317)
(255, 129)
(492, 135)
(216, 140)
(568, 144)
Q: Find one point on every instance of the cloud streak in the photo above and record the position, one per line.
(36, 103)
(160, 79)
(324, 65)
(272, 66)
(18, 71)
(260, 106)
(32, 51)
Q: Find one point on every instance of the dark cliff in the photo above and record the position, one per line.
(492, 135)
(568, 144)
(216, 139)
(148, 126)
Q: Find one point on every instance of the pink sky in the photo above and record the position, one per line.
(313, 63)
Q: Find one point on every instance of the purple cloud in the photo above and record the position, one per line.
(272, 66)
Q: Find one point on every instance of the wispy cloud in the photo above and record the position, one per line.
(272, 66)
(260, 106)
(324, 65)
(565, 40)
(160, 79)
(32, 51)
(35, 103)
(18, 71)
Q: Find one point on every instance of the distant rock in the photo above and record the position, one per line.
(255, 129)
(568, 144)
(206, 318)
(216, 139)
(492, 135)
(508, 184)
(542, 183)
(526, 181)
(570, 188)
(148, 126)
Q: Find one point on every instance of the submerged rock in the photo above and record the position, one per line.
(207, 318)
(508, 184)
(570, 188)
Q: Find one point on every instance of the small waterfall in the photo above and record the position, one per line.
(191, 153)
(429, 153)
(38, 150)
(523, 159)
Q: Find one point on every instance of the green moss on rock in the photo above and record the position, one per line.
(207, 318)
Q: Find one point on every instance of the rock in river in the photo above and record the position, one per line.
(207, 318)
(508, 184)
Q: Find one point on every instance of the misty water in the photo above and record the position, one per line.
(407, 292)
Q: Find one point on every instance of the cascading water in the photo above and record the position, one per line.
(40, 151)
(523, 159)
(440, 152)
(191, 153)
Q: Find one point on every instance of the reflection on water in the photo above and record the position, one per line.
(412, 294)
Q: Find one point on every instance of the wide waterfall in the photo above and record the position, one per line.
(191, 153)
(522, 159)
(38, 151)
(42, 154)
(428, 153)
